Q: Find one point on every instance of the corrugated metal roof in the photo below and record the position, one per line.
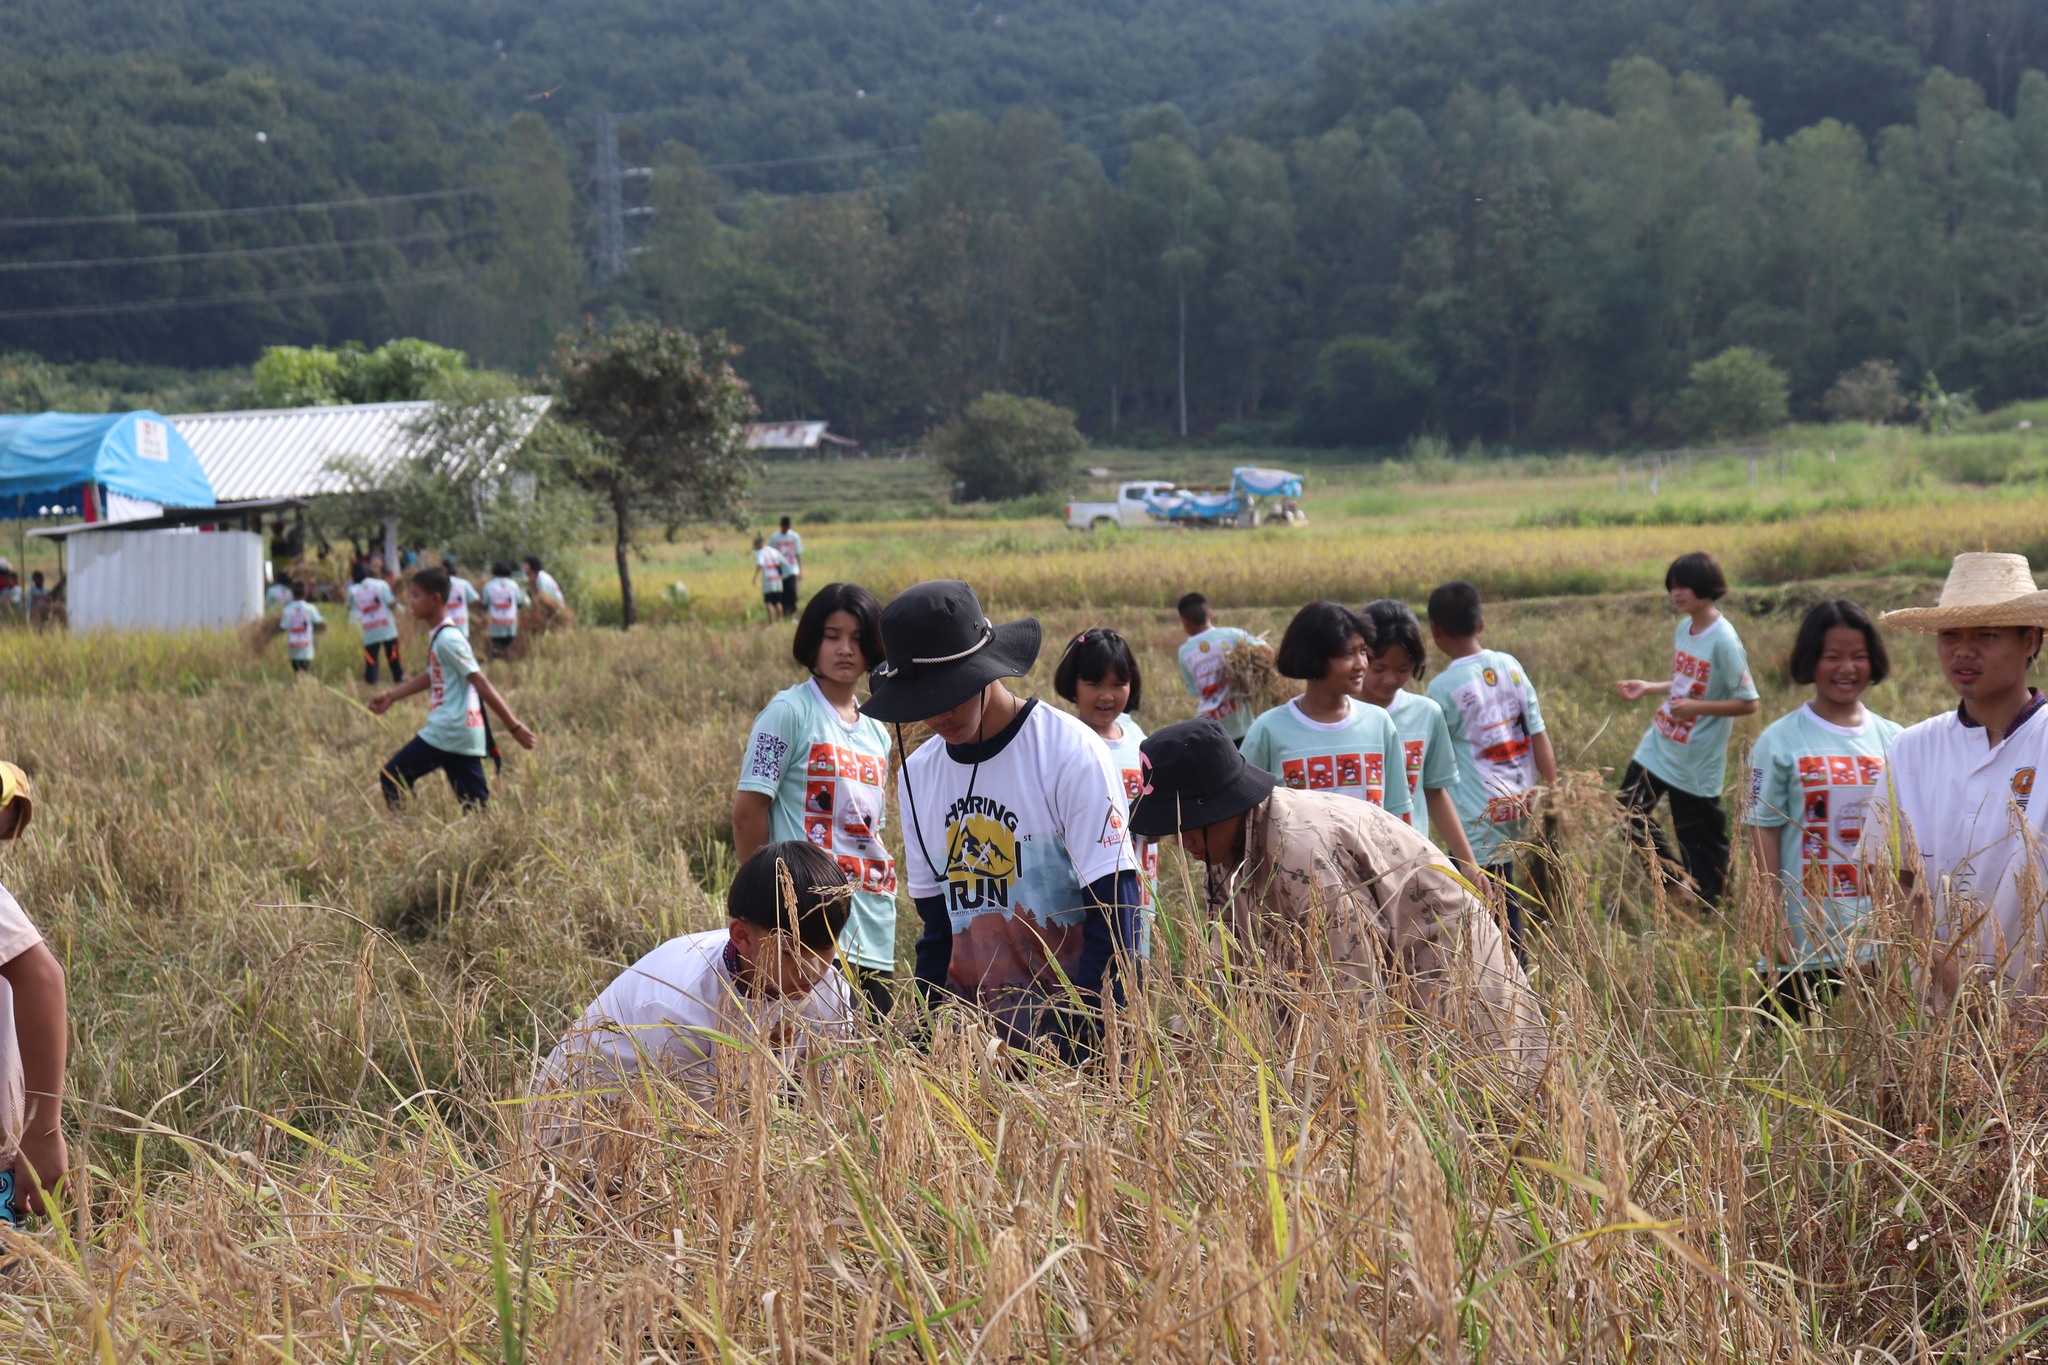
(785, 435)
(285, 452)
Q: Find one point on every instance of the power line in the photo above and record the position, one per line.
(245, 296)
(251, 211)
(296, 248)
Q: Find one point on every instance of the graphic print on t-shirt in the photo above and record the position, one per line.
(1502, 751)
(1833, 791)
(842, 812)
(1337, 772)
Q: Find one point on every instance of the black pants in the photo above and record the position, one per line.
(789, 593)
(1503, 873)
(302, 665)
(390, 648)
(418, 758)
(877, 989)
(1795, 995)
(1699, 822)
(501, 646)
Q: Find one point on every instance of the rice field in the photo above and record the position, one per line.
(303, 1028)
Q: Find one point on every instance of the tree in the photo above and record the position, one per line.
(657, 422)
(1008, 447)
(1868, 393)
(531, 285)
(399, 371)
(1367, 391)
(1737, 393)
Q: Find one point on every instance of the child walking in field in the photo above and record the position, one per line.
(816, 769)
(1684, 753)
(1395, 658)
(456, 737)
(770, 564)
(462, 595)
(34, 1035)
(1203, 660)
(1326, 739)
(299, 620)
(1812, 777)
(369, 606)
(710, 1002)
(1099, 675)
(504, 595)
(1496, 726)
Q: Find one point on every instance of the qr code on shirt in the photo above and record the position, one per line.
(769, 751)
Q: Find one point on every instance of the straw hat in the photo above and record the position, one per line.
(1982, 590)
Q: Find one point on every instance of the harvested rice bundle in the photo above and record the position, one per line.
(1253, 679)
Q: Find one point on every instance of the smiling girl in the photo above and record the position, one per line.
(1812, 777)
(1099, 675)
(1326, 739)
(1396, 659)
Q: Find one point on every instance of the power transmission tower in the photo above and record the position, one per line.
(611, 205)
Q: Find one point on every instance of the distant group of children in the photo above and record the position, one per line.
(779, 559)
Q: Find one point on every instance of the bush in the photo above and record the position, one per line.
(1737, 393)
(1869, 393)
(1008, 447)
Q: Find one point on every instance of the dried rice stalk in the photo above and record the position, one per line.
(1252, 678)
(257, 635)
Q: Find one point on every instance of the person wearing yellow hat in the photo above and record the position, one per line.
(33, 1035)
(1970, 840)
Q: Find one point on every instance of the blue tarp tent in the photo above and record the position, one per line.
(1265, 483)
(139, 455)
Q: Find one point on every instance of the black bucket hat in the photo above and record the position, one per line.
(940, 650)
(1194, 777)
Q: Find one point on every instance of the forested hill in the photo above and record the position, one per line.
(741, 79)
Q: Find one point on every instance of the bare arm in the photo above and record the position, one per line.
(749, 822)
(1443, 817)
(1635, 689)
(494, 699)
(1546, 758)
(1685, 708)
(40, 1006)
(418, 682)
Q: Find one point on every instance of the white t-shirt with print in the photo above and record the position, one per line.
(1968, 807)
(665, 1009)
(462, 595)
(771, 565)
(1493, 717)
(1012, 843)
(1130, 764)
(790, 546)
(17, 936)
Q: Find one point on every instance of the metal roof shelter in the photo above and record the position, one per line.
(286, 452)
(803, 438)
(250, 516)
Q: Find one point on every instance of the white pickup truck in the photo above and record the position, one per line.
(1127, 510)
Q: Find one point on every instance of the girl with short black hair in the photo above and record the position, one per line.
(1326, 739)
(1099, 675)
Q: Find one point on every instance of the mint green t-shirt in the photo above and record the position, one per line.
(1202, 661)
(369, 606)
(827, 782)
(1490, 708)
(1813, 781)
(1130, 762)
(1692, 755)
(455, 717)
(1426, 755)
(298, 622)
(1359, 756)
(503, 597)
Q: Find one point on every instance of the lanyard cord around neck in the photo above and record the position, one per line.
(910, 796)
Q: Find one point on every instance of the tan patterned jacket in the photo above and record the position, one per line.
(1393, 918)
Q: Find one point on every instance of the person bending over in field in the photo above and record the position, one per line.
(1684, 753)
(456, 737)
(1813, 775)
(1972, 846)
(699, 1009)
(1029, 897)
(1203, 657)
(1099, 675)
(1327, 890)
(33, 1038)
(1326, 739)
(816, 769)
(1427, 758)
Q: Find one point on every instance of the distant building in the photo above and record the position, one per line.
(800, 440)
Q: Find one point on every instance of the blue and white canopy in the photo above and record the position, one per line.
(139, 455)
(1264, 483)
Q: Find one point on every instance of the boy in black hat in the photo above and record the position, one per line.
(1015, 822)
(1280, 861)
